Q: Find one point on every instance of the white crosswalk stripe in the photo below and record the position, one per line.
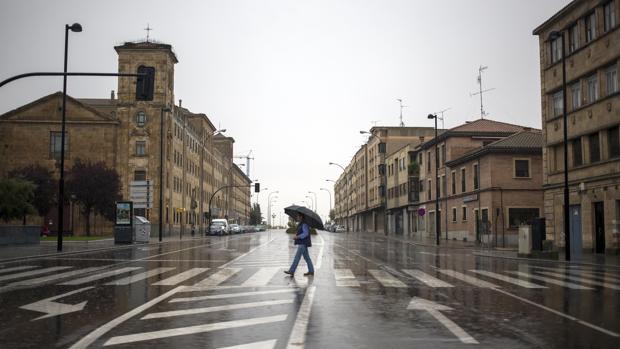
(514, 281)
(594, 275)
(551, 281)
(32, 273)
(468, 279)
(23, 267)
(217, 278)
(139, 277)
(269, 344)
(238, 306)
(231, 295)
(427, 279)
(386, 279)
(49, 278)
(261, 277)
(580, 279)
(181, 331)
(345, 278)
(96, 277)
(177, 279)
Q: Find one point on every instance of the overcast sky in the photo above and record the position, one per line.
(295, 81)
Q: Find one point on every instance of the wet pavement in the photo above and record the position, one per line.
(369, 291)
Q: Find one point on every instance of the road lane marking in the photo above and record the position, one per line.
(181, 331)
(48, 278)
(595, 275)
(139, 277)
(551, 281)
(319, 259)
(203, 310)
(217, 278)
(95, 277)
(23, 267)
(580, 279)
(245, 254)
(434, 310)
(261, 277)
(426, 278)
(297, 339)
(345, 278)
(51, 308)
(468, 279)
(228, 295)
(270, 344)
(511, 280)
(90, 338)
(32, 273)
(386, 279)
(177, 279)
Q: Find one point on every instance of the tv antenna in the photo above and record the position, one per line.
(481, 91)
(402, 124)
(374, 122)
(247, 162)
(441, 117)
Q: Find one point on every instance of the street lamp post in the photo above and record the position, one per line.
(268, 204)
(330, 200)
(161, 171)
(75, 27)
(269, 218)
(437, 219)
(316, 202)
(554, 36)
(311, 202)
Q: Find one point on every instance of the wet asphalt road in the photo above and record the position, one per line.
(370, 291)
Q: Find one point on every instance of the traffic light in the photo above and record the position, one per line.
(257, 187)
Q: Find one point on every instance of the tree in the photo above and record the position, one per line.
(332, 214)
(16, 197)
(255, 215)
(95, 188)
(45, 186)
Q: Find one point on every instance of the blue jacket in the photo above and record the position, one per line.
(303, 235)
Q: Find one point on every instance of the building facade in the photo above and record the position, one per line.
(589, 39)
(124, 133)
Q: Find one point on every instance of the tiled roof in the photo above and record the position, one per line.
(486, 125)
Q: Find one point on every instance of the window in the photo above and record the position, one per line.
(454, 214)
(443, 154)
(609, 15)
(464, 213)
(518, 216)
(463, 183)
(557, 104)
(595, 148)
(476, 184)
(145, 84)
(592, 83)
(381, 148)
(55, 142)
(444, 189)
(421, 189)
(590, 26)
(428, 189)
(453, 181)
(140, 148)
(611, 80)
(573, 38)
(139, 175)
(140, 119)
(556, 49)
(577, 158)
(428, 162)
(613, 141)
(575, 95)
(522, 168)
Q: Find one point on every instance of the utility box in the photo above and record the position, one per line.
(525, 240)
(142, 229)
(538, 233)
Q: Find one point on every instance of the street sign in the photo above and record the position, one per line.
(141, 193)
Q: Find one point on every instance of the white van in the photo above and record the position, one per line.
(223, 222)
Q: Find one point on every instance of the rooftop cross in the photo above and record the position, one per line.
(148, 32)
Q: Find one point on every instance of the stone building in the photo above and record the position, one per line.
(239, 211)
(590, 35)
(124, 133)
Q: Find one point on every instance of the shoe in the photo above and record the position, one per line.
(309, 274)
(288, 272)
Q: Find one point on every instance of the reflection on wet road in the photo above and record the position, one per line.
(369, 291)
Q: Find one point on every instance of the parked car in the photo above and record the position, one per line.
(339, 229)
(261, 227)
(235, 229)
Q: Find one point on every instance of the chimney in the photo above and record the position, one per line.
(112, 95)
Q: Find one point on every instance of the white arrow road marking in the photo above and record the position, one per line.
(225, 295)
(51, 308)
(508, 279)
(32, 273)
(215, 308)
(427, 279)
(270, 344)
(181, 331)
(23, 267)
(434, 310)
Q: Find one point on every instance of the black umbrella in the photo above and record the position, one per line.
(311, 218)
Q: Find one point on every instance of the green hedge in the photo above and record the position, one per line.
(294, 230)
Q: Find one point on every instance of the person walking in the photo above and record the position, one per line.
(303, 241)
